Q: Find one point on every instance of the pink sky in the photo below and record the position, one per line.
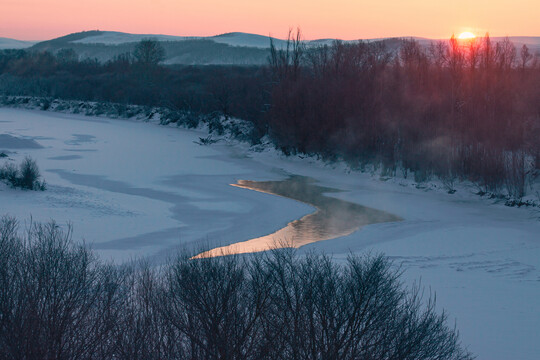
(345, 19)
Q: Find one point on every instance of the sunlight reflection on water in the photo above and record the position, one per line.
(333, 217)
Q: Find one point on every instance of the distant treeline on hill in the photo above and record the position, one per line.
(458, 110)
(188, 51)
(199, 89)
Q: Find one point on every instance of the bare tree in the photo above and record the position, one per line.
(142, 332)
(62, 303)
(58, 302)
(525, 56)
(321, 310)
(286, 62)
(216, 305)
(149, 52)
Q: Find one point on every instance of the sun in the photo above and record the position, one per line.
(466, 35)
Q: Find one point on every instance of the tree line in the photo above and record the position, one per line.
(136, 77)
(466, 110)
(58, 301)
(457, 110)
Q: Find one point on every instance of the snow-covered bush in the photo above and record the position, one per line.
(9, 173)
(26, 176)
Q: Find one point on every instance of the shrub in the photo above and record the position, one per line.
(10, 173)
(27, 176)
(57, 300)
(281, 306)
(29, 173)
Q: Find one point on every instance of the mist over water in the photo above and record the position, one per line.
(333, 217)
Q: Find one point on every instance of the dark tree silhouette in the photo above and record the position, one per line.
(149, 52)
(58, 301)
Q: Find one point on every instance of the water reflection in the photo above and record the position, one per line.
(333, 217)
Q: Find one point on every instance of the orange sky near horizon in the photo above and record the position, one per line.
(344, 19)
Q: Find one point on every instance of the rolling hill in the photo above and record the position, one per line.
(6, 43)
(234, 48)
(218, 50)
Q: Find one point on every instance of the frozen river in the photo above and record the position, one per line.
(135, 189)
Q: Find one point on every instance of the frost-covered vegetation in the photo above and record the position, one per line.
(456, 110)
(57, 300)
(24, 176)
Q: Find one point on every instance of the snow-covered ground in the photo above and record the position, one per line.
(251, 40)
(138, 189)
(232, 39)
(116, 38)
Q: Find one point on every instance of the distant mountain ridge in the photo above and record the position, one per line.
(231, 48)
(232, 39)
(6, 43)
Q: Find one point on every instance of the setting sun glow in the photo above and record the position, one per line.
(466, 35)
(319, 19)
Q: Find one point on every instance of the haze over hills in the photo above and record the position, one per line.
(231, 48)
(232, 39)
(6, 43)
(236, 48)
